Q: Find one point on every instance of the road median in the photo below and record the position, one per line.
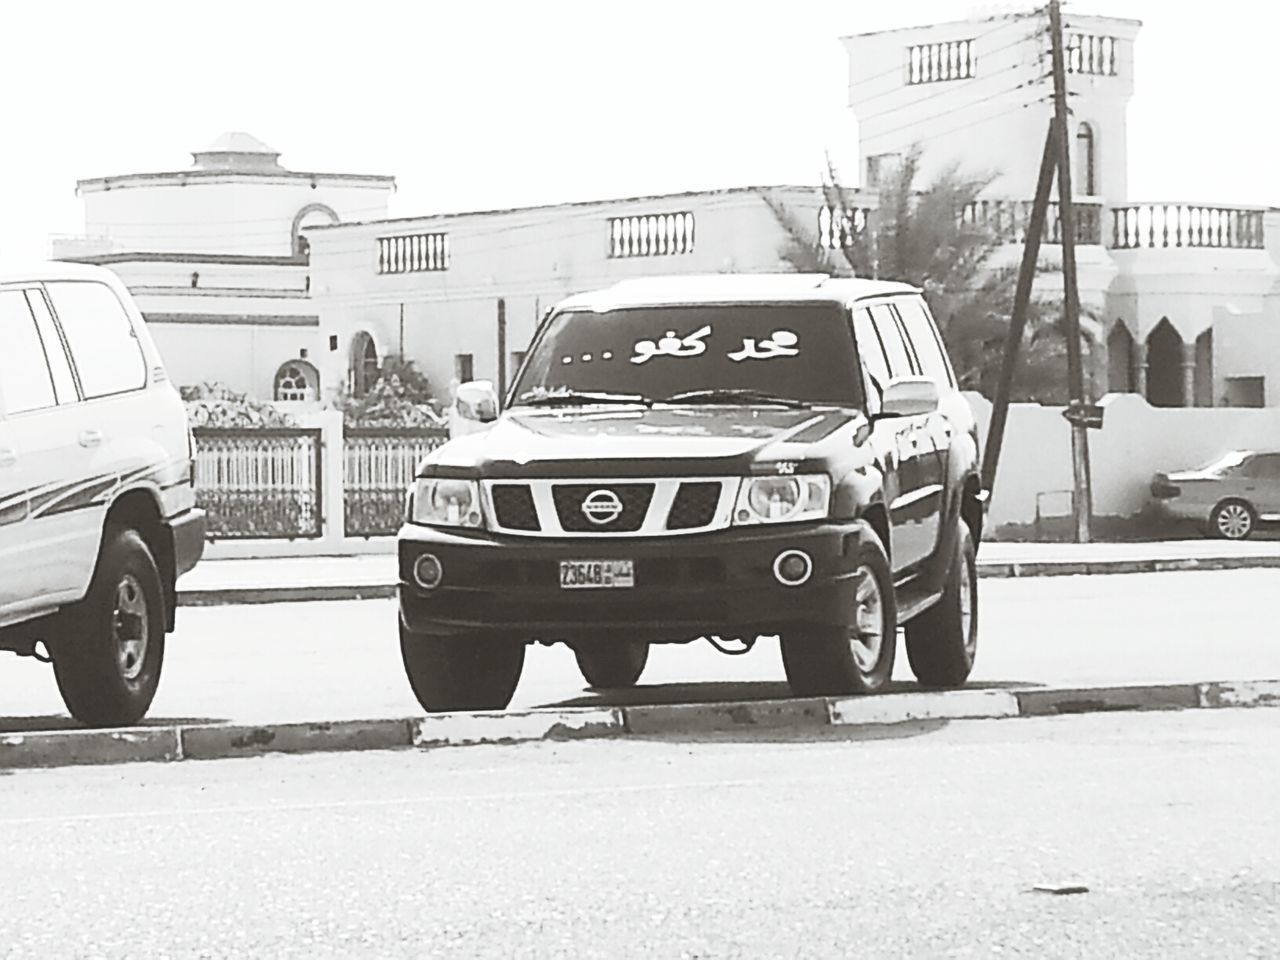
(173, 743)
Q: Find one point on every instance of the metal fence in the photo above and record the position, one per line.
(378, 464)
(259, 483)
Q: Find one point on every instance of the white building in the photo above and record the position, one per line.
(1165, 274)
(216, 258)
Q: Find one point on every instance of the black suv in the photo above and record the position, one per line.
(725, 457)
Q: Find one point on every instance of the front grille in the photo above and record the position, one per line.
(634, 498)
(694, 506)
(513, 505)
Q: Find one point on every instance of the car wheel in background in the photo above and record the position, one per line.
(1232, 520)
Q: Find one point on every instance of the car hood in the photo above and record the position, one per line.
(635, 440)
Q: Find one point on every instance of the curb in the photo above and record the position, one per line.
(211, 741)
(998, 569)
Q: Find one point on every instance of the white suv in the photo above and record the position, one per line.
(97, 502)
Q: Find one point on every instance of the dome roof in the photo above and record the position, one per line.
(236, 150)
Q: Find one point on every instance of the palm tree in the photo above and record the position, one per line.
(935, 239)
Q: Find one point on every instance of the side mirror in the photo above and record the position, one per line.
(909, 397)
(477, 400)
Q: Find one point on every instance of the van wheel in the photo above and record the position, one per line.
(461, 673)
(943, 641)
(111, 644)
(856, 657)
(609, 666)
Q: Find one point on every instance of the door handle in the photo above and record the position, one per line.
(91, 438)
(8, 457)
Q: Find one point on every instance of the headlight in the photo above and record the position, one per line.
(447, 503)
(783, 499)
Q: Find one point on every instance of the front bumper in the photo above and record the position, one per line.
(718, 583)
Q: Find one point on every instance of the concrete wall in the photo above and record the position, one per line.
(245, 357)
(1136, 441)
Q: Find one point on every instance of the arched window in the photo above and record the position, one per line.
(297, 380)
(1086, 161)
(364, 364)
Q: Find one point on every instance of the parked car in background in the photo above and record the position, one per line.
(97, 502)
(1229, 497)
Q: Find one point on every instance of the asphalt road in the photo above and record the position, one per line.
(920, 841)
(341, 660)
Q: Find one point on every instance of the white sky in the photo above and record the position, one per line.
(474, 105)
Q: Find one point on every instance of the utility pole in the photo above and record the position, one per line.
(1021, 305)
(502, 348)
(1082, 505)
(402, 332)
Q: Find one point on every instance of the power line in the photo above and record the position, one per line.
(936, 116)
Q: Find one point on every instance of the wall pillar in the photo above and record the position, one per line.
(1140, 367)
(1189, 374)
(333, 507)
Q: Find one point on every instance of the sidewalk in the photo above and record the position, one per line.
(371, 576)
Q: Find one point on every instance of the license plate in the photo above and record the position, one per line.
(597, 574)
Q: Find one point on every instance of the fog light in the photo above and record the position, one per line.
(428, 571)
(792, 567)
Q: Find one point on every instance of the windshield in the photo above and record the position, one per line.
(795, 352)
(1222, 464)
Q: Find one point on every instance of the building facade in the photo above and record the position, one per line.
(461, 294)
(1164, 278)
(216, 257)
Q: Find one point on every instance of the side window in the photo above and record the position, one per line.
(871, 352)
(1265, 466)
(924, 337)
(895, 349)
(106, 352)
(25, 382)
(64, 381)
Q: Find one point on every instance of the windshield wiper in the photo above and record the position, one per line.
(743, 395)
(570, 397)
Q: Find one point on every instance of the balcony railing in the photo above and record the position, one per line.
(1145, 225)
(1008, 220)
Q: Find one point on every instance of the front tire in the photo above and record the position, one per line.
(856, 657)
(110, 648)
(611, 666)
(1233, 520)
(461, 673)
(943, 641)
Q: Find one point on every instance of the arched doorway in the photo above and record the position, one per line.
(1204, 369)
(297, 380)
(1164, 366)
(1086, 181)
(363, 369)
(313, 214)
(1120, 370)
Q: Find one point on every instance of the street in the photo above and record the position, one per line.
(340, 660)
(913, 841)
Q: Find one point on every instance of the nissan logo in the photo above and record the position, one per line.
(601, 507)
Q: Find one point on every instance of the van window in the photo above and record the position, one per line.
(107, 354)
(25, 382)
(925, 339)
(895, 349)
(64, 381)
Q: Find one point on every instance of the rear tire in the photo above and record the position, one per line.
(611, 666)
(110, 645)
(1233, 520)
(853, 658)
(461, 673)
(943, 641)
